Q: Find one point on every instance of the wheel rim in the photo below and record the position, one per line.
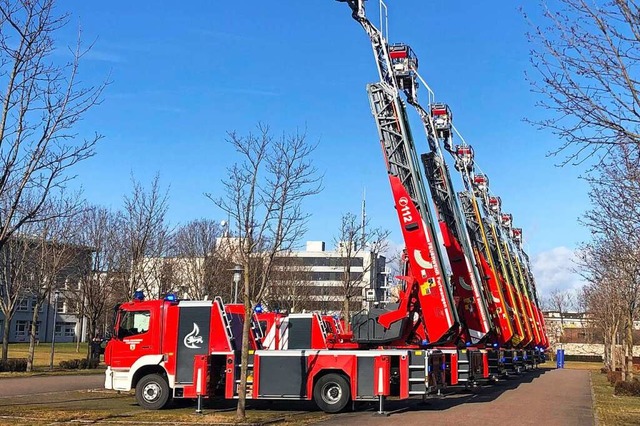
(151, 392)
(331, 393)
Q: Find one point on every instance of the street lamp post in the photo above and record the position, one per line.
(237, 276)
(56, 294)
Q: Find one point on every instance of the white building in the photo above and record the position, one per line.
(320, 285)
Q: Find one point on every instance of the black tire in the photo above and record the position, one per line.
(332, 393)
(152, 392)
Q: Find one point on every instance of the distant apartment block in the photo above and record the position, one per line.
(319, 280)
(67, 326)
(576, 327)
(310, 279)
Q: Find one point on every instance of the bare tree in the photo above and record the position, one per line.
(615, 197)
(263, 196)
(614, 251)
(41, 104)
(586, 56)
(603, 294)
(57, 262)
(290, 288)
(200, 260)
(560, 301)
(587, 62)
(14, 261)
(100, 232)
(146, 235)
(355, 240)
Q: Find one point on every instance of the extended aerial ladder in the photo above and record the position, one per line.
(467, 287)
(505, 254)
(519, 279)
(427, 292)
(485, 207)
(480, 208)
(502, 314)
(522, 260)
(523, 278)
(495, 220)
(498, 300)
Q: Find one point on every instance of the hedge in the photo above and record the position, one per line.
(13, 365)
(82, 364)
(631, 388)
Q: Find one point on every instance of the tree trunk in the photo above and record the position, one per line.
(346, 314)
(629, 348)
(5, 338)
(90, 336)
(81, 322)
(614, 361)
(244, 358)
(32, 336)
(624, 365)
(606, 357)
(625, 354)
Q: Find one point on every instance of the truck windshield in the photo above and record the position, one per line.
(133, 323)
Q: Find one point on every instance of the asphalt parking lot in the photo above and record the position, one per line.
(540, 397)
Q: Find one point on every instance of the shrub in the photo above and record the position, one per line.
(70, 364)
(604, 370)
(631, 388)
(614, 376)
(14, 365)
(91, 363)
(83, 364)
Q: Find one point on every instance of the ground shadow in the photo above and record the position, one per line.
(451, 397)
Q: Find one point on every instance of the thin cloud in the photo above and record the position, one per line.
(103, 56)
(90, 55)
(555, 269)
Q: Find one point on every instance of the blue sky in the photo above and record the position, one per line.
(185, 73)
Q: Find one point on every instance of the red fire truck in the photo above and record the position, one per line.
(167, 349)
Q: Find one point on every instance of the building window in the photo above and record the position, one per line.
(339, 262)
(60, 306)
(66, 329)
(333, 276)
(69, 329)
(22, 328)
(23, 305)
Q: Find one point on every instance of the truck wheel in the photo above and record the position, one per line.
(331, 393)
(152, 392)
